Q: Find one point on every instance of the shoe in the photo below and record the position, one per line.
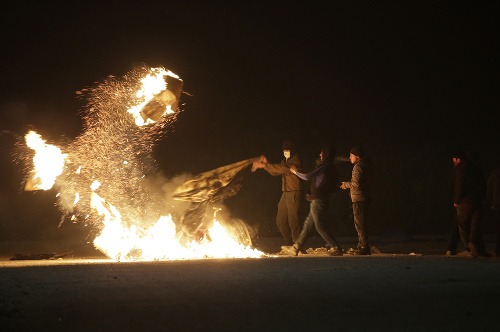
(451, 253)
(290, 250)
(361, 251)
(335, 251)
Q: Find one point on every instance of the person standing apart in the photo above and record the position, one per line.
(324, 182)
(287, 217)
(358, 187)
(493, 196)
(468, 195)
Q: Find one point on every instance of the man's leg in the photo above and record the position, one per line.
(476, 232)
(282, 220)
(454, 238)
(359, 212)
(463, 225)
(496, 221)
(318, 210)
(304, 234)
(293, 207)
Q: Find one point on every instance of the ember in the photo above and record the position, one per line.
(106, 177)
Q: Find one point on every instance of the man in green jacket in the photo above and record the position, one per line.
(287, 218)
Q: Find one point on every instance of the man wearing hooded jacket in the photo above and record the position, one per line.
(324, 182)
(287, 218)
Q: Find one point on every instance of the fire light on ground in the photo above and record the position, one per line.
(105, 178)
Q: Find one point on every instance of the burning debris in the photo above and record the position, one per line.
(205, 189)
(103, 178)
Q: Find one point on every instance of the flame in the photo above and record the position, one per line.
(48, 161)
(152, 84)
(159, 242)
(120, 240)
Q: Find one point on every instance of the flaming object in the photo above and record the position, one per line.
(107, 178)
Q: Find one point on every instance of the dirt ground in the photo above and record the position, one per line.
(408, 286)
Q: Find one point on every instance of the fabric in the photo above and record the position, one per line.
(214, 185)
(289, 182)
(358, 186)
(287, 218)
(204, 189)
(324, 181)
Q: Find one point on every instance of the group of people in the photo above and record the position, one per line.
(324, 181)
(470, 190)
(468, 187)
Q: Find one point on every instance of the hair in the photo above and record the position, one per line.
(357, 151)
(328, 151)
(288, 144)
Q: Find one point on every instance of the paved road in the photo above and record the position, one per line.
(387, 292)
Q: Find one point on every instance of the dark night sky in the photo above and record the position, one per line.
(408, 79)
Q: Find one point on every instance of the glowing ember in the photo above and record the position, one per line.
(107, 178)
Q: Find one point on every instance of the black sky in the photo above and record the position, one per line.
(405, 78)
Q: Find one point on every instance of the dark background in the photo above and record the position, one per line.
(410, 81)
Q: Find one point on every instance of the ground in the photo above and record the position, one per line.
(410, 286)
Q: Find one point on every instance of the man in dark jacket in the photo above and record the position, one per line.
(324, 182)
(469, 191)
(287, 218)
(493, 196)
(358, 187)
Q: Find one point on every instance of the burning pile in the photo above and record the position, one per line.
(103, 178)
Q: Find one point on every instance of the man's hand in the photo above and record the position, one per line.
(293, 169)
(257, 165)
(342, 186)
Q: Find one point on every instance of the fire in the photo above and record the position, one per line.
(48, 161)
(152, 85)
(100, 178)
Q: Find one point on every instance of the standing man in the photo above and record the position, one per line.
(287, 218)
(468, 194)
(324, 182)
(493, 195)
(358, 187)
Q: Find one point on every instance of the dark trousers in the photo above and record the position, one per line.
(454, 238)
(496, 221)
(287, 218)
(317, 219)
(469, 217)
(359, 210)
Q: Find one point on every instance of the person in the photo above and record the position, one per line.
(493, 196)
(358, 189)
(454, 239)
(469, 191)
(287, 217)
(323, 183)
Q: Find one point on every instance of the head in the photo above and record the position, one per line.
(288, 148)
(458, 156)
(356, 154)
(327, 153)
